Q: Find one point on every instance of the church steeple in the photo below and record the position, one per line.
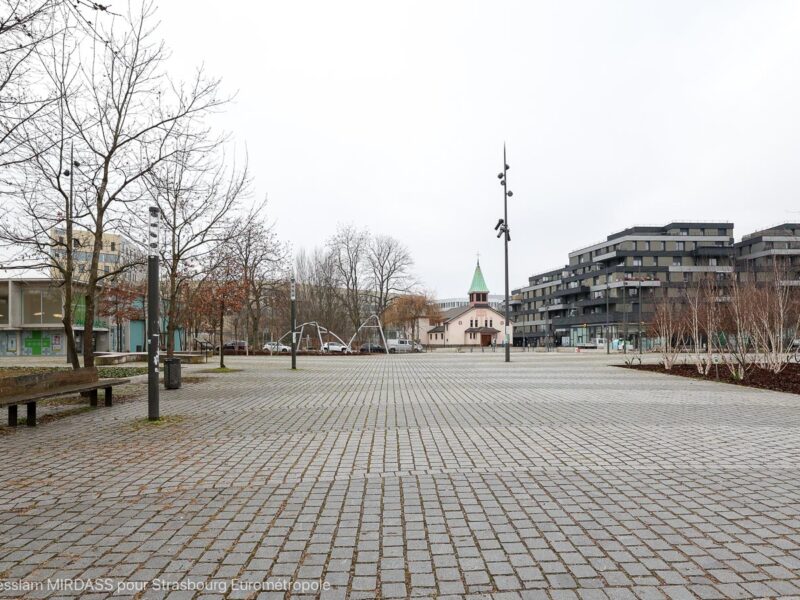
(478, 291)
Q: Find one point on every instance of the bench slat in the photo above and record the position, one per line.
(41, 382)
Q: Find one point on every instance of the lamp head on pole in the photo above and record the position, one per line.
(153, 239)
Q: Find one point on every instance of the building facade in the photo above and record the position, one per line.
(31, 313)
(608, 290)
(762, 255)
(475, 323)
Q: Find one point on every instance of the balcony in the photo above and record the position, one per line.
(714, 251)
(552, 307)
(581, 289)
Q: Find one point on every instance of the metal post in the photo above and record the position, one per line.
(608, 327)
(152, 317)
(625, 317)
(640, 316)
(293, 296)
(505, 218)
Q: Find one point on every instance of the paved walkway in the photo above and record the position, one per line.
(425, 475)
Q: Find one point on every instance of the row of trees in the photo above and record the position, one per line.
(354, 275)
(741, 323)
(94, 130)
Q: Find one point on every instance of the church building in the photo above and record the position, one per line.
(476, 324)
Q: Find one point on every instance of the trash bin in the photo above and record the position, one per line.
(172, 373)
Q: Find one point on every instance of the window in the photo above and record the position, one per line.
(41, 306)
(677, 261)
(722, 231)
(4, 310)
(712, 262)
(646, 246)
(51, 306)
(637, 261)
(76, 243)
(31, 306)
(113, 246)
(683, 231)
(490, 323)
(680, 246)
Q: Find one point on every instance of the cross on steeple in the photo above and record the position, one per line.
(479, 257)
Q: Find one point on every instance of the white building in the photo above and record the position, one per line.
(474, 322)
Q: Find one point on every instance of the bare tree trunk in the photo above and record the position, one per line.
(172, 310)
(221, 340)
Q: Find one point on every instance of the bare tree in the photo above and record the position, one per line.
(121, 108)
(319, 291)
(24, 26)
(669, 325)
(389, 270)
(738, 322)
(703, 317)
(775, 318)
(261, 260)
(198, 194)
(349, 248)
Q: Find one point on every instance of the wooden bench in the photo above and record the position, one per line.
(28, 389)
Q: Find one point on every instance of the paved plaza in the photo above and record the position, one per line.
(435, 475)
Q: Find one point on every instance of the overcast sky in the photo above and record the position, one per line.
(392, 116)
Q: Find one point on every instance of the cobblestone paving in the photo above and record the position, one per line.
(436, 475)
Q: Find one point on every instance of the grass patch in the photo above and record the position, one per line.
(164, 421)
(220, 370)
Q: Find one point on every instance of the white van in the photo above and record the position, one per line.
(399, 345)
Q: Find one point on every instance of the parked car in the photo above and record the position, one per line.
(276, 348)
(399, 345)
(418, 347)
(336, 347)
(372, 349)
(234, 346)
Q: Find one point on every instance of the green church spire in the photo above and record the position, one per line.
(478, 283)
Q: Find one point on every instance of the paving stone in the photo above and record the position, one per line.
(417, 476)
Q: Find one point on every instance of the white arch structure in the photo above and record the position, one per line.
(320, 331)
(364, 325)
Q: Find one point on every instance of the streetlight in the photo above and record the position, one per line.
(73, 164)
(152, 316)
(293, 297)
(608, 327)
(503, 229)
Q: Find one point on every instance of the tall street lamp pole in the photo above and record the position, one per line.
(608, 327)
(152, 317)
(639, 294)
(293, 295)
(503, 229)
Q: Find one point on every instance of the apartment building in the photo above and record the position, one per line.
(609, 289)
(116, 251)
(757, 252)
